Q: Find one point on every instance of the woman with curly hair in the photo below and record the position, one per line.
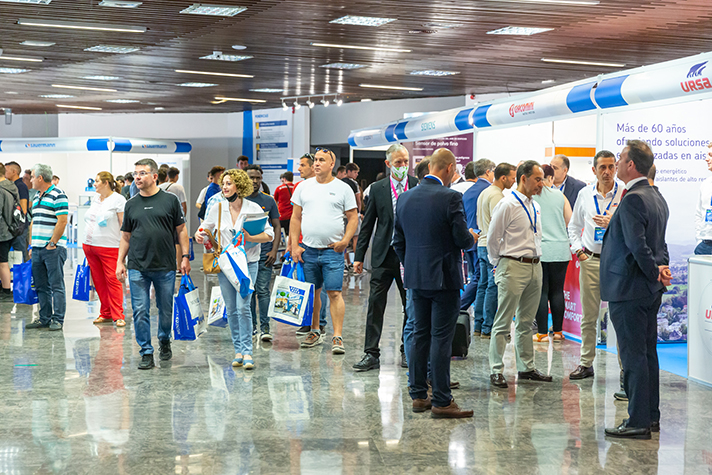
(229, 210)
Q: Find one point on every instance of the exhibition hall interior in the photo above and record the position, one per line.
(269, 99)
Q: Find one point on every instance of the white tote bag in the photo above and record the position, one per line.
(217, 315)
(233, 265)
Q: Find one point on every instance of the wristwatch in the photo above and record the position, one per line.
(54, 244)
(186, 255)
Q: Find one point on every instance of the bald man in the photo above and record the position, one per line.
(430, 234)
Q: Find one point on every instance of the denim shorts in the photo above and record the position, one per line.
(323, 267)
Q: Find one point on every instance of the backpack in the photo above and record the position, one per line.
(17, 221)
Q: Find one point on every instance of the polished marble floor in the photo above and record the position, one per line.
(74, 402)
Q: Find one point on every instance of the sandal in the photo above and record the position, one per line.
(541, 338)
(559, 337)
(102, 320)
(121, 323)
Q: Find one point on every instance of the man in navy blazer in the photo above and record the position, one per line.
(634, 275)
(430, 234)
(568, 185)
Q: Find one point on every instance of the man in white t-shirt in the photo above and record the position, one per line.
(320, 204)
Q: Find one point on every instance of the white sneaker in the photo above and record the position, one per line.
(266, 336)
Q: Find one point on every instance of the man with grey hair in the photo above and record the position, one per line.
(386, 265)
(50, 210)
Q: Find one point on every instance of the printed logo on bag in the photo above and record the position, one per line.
(699, 84)
(289, 300)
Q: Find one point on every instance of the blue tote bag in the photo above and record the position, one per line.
(292, 299)
(82, 283)
(188, 320)
(23, 291)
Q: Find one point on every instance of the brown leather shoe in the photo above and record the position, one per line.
(421, 405)
(581, 372)
(452, 411)
(535, 375)
(497, 380)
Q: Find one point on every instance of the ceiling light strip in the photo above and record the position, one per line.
(81, 26)
(208, 73)
(84, 88)
(238, 99)
(79, 107)
(584, 63)
(396, 88)
(365, 48)
(21, 58)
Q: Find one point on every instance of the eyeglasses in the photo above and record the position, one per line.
(141, 174)
(326, 150)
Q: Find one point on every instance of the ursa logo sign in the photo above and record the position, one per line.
(696, 84)
(524, 109)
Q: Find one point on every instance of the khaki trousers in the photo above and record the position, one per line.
(589, 282)
(519, 292)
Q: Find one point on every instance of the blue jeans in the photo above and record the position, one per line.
(239, 313)
(261, 295)
(325, 306)
(48, 273)
(486, 301)
(470, 294)
(409, 322)
(324, 268)
(140, 284)
(704, 248)
(20, 244)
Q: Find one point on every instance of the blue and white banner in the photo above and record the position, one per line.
(272, 138)
(84, 144)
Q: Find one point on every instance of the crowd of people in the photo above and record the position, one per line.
(516, 226)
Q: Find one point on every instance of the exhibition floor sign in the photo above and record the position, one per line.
(272, 139)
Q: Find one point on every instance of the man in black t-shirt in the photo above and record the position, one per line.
(12, 173)
(150, 219)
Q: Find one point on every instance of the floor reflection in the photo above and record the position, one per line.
(74, 402)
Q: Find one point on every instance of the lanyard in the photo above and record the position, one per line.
(533, 223)
(395, 193)
(595, 200)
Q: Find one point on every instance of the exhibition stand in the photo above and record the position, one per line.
(699, 319)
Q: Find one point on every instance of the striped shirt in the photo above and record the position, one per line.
(46, 207)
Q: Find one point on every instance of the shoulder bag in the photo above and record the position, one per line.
(210, 259)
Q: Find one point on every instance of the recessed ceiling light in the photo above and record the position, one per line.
(343, 66)
(207, 73)
(239, 47)
(518, 30)
(197, 84)
(266, 89)
(29, 2)
(368, 48)
(215, 10)
(81, 26)
(13, 70)
(102, 78)
(238, 99)
(439, 25)
(433, 72)
(362, 20)
(39, 44)
(119, 4)
(218, 56)
(122, 101)
(84, 88)
(397, 88)
(553, 2)
(79, 107)
(366, 100)
(158, 108)
(112, 49)
(20, 58)
(585, 63)
(56, 96)
(548, 81)
(11, 92)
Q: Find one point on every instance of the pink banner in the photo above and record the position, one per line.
(572, 299)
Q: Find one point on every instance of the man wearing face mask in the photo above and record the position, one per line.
(386, 266)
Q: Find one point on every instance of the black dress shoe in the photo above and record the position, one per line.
(165, 353)
(655, 426)
(625, 432)
(535, 375)
(620, 395)
(367, 363)
(36, 324)
(497, 380)
(404, 360)
(582, 372)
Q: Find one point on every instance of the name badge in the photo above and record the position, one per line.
(708, 216)
(598, 234)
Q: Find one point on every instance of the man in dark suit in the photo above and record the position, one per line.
(568, 185)
(386, 266)
(430, 234)
(634, 274)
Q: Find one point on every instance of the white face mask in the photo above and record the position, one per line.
(399, 172)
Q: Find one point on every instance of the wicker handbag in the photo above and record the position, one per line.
(210, 259)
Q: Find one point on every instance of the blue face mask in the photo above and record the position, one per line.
(101, 220)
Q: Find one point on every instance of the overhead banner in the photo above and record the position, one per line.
(272, 138)
(83, 144)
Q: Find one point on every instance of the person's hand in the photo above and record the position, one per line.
(340, 246)
(121, 271)
(297, 252)
(248, 236)
(602, 221)
(358, 267)
(185, 266)
(29, 253)
(582, 256)
(199, 237)
(474, 234)
(665, 275)
(271, 257)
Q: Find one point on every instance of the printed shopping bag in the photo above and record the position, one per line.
(217, 314)
(233, 265)
(292, 299)
(82, 283)
(23, 284)
(188, 320)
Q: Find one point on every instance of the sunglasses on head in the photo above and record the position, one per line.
(326, 150)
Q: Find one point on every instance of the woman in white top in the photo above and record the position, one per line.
(230, 211)
(101, 246)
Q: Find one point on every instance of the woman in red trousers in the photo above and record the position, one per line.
(101, 246)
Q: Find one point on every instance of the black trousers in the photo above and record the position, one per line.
(553, 276)
(381, 279)
(636, 326)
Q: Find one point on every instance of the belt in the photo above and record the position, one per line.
(590, 253)
(526, 260)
